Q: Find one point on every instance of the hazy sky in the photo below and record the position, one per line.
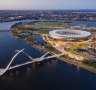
(47, 4)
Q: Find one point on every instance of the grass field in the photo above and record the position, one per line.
(50, 24)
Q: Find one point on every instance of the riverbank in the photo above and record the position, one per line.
(22, 30)
(72, 60)
(78, 64)
(64, 58)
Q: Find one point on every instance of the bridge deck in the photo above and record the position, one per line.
(3, 70)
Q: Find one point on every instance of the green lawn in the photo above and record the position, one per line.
(50, 24)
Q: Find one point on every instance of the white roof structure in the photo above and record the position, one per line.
(68, 33)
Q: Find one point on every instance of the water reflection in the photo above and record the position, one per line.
(28, 69)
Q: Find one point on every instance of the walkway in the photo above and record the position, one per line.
(42, 58)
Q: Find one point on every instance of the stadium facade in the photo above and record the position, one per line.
(68, 34)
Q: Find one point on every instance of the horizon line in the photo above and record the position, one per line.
(45, 9)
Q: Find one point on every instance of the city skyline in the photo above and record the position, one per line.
(47, 4)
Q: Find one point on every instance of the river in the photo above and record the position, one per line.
(49, 75)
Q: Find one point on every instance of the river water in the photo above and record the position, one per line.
(48, 75)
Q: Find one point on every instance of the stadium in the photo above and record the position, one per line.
(69, 35)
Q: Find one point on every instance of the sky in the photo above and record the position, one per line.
(47, 4)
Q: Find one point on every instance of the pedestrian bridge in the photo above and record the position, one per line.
(32, 60)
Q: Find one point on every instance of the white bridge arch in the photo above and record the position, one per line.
(3, 70)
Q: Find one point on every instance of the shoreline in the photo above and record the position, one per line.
(48, 47)
(81, 65)
(66, 60)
